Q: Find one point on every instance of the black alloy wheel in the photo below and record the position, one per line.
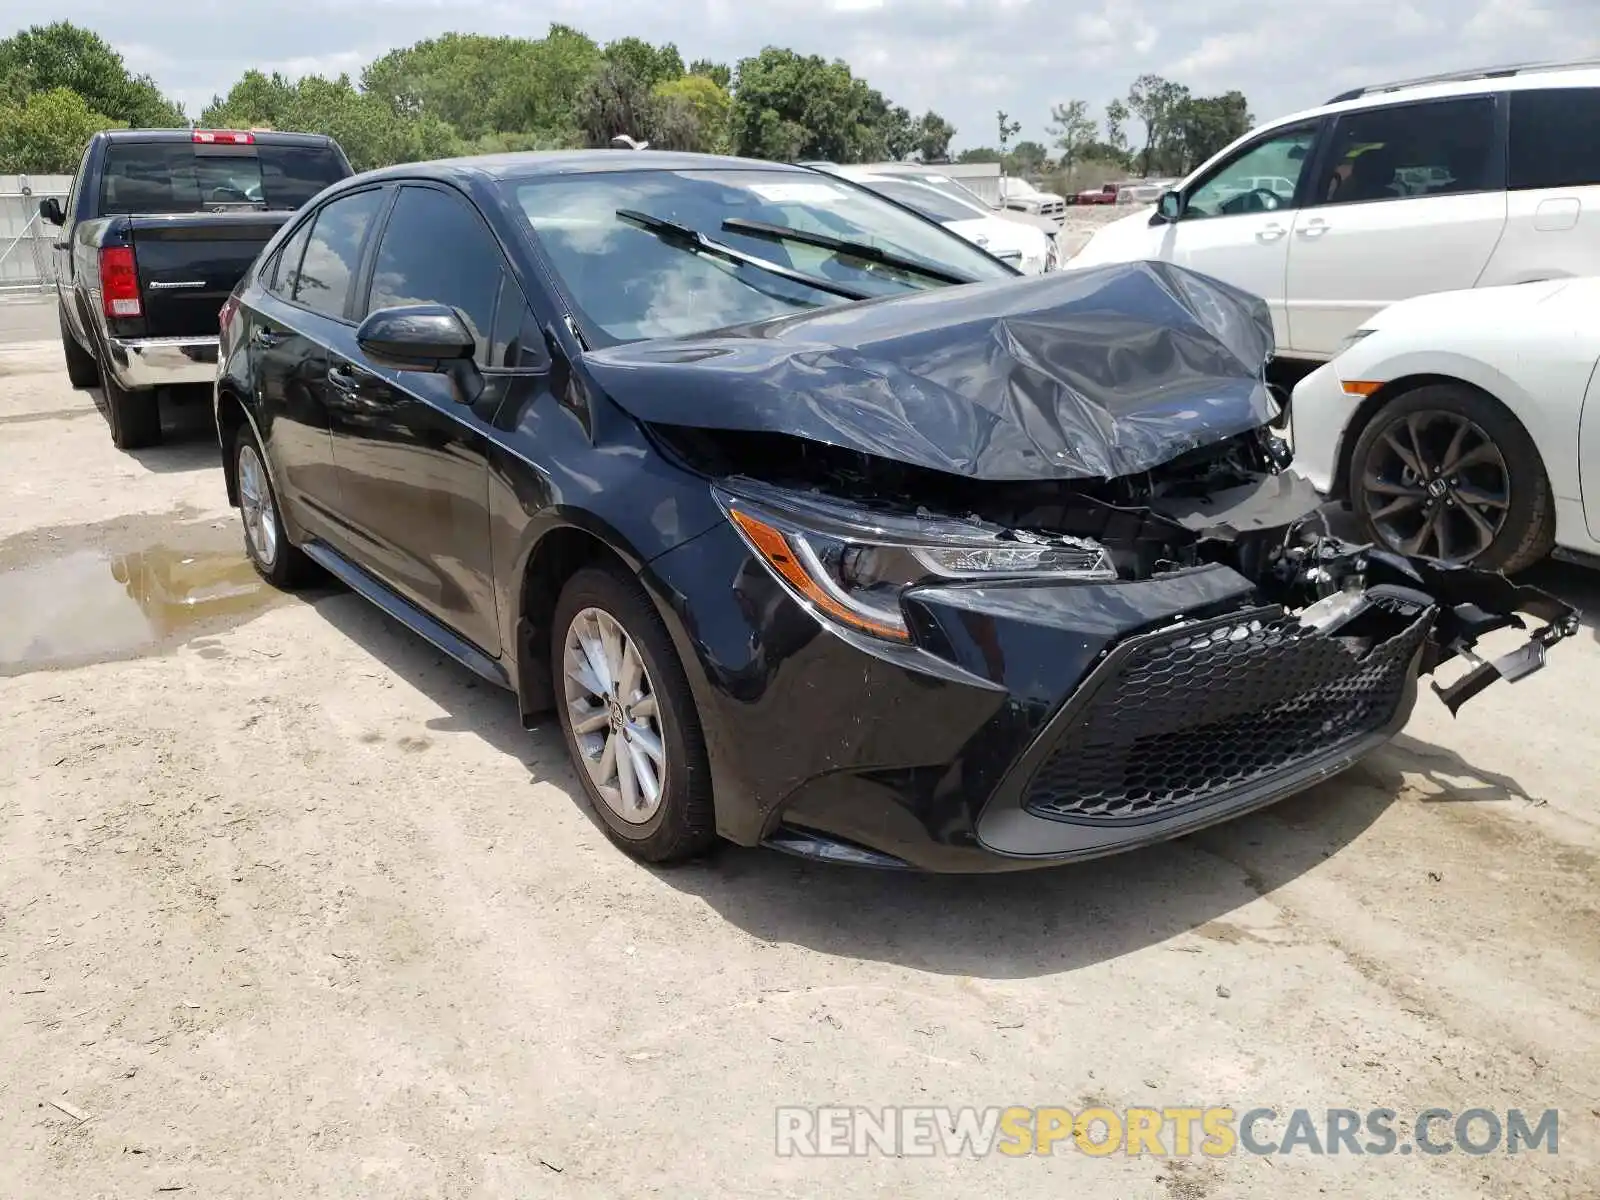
(1444, 472)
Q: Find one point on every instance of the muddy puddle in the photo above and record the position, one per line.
(85, 601)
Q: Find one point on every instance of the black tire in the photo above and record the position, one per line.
(1527, 531)
(285, 567)
(135, 417)
(82, 370)
(683, 825)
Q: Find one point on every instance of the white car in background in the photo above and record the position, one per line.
(1475, 179)
(1458, 425)
(1030, 249)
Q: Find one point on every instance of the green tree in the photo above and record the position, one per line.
(1203, 125)
(706, 102)
(933, 137)
(1117, 127)
(45, 58)
(898, 132)
(1008, 130)
(482, 85)
(1156, 102)
(719, 73)
(1072, 130)
(370, 131)
(614, 101)
(1027, 158)
(44, 133)
(648, 64)
(788, 105)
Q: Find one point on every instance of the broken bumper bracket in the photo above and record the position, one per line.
(1471, 604)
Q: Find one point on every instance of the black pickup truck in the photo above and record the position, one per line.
(158, 228)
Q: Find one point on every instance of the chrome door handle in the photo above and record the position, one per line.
(1270, 233)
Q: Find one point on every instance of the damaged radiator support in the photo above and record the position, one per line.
(1234, 503)
(1333, 582)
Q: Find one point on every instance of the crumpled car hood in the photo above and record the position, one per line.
(1089, 374)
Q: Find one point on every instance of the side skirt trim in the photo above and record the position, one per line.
(408, 614)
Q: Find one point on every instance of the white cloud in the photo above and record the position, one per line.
(963, 58)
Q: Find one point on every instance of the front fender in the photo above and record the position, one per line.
(1550, 417)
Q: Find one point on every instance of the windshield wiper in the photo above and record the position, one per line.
(675, 234)
(861, 250)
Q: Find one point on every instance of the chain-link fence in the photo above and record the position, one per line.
(26, 238)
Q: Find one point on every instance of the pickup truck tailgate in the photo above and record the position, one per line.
(189, 263)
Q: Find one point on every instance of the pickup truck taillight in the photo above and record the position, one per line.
(119, 282)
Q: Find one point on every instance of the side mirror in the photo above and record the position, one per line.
(416, 337)
(1170, 206)
(50, 210)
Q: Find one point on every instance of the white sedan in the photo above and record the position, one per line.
(1456, 425)
(1028, 248)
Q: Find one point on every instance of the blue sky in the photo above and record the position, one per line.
(964, 58)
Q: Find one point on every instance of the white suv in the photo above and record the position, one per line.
(1468, 180)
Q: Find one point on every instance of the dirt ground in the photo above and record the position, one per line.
(1080, 224)
(291, 906)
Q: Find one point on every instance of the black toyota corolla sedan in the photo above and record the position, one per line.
(816, 526)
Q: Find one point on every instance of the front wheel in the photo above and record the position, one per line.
(1445, 472)
(629, 718)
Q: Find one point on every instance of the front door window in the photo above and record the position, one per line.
(1264, 177)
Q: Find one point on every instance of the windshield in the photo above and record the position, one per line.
(626, 283)
(175, 177)
(918, 196)
(954, 187)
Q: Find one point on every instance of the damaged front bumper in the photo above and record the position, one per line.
(1023, 722)
(1192, 724)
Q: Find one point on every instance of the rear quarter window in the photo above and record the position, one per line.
(1555, 138)
(167, 177)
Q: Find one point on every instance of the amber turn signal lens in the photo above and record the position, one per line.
(774, 548)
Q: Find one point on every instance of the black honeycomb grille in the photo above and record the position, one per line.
(1191, 717)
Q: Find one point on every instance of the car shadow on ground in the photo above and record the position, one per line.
(1014, 925)
(188, 433)
(472, 705)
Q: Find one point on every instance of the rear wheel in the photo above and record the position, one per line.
(1445, 472)
(279, 562)
(135, 417)
(82, 370)
(629, 718)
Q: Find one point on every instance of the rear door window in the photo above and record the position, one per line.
(333, 253)
(1439, 148)
(169, 176)
(1555, 138)
(286, 264)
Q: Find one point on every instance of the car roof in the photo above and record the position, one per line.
(269, 137)
(1480, 82)
(533, 163)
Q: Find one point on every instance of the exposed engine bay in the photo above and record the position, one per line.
(1234, 503)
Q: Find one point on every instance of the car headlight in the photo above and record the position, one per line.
(850, 565)
(1351, 340)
